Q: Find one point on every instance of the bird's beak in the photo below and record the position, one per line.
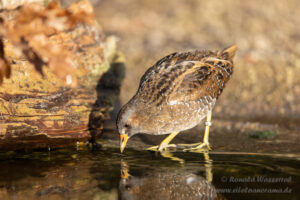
(123, 141)
(124, 170)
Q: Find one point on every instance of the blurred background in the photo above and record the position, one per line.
(266, 81)
(256, 121)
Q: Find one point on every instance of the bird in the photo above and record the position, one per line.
(176, 94)
(167, 185)
(181, 183)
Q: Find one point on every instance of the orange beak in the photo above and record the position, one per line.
(124, 170)
(123, 142)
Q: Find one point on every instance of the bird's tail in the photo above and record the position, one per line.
(228, 53)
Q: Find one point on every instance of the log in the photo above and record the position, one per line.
(44, 111)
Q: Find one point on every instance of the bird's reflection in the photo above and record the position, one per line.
(176, 183)
(207, 165)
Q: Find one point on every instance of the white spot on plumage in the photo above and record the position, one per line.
(190, 180)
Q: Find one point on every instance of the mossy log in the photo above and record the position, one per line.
(42, 111)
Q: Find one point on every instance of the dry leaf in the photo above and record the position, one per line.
(4, 65)
(30, 29)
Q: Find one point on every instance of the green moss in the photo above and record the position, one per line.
(98, 70)
(263, 134)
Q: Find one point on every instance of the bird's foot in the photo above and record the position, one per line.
(161, 147)
(198, 147)
(183, 146)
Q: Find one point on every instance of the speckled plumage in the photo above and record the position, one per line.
(177, 92)
(167, 185)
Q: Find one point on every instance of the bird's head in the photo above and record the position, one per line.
(127, 124)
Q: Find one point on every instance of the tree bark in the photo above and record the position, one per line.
(41, 111)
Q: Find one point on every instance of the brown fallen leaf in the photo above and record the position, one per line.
(30, 30)
(5, 69)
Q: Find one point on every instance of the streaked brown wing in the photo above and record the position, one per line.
(205, 80)
(175, 78)
(158, 88)
(194, 84)
(170, 64)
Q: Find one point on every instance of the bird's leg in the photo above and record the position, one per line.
(165, 143)
(205, 144)
(206, 132)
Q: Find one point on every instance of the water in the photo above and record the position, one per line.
(106, 174)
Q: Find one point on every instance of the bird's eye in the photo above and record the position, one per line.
(127, 126)
(127, 187)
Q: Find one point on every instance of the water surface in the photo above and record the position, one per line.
(106, 174)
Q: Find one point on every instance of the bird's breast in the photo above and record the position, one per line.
(175, 116)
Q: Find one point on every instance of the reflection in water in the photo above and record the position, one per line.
(86, 174)
(169, 155)
(171, 184)
(208, 162)
(208, 167)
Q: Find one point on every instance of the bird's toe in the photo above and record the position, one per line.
(164, 147)
(161, 147)
(202, 147)
(153, 148)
